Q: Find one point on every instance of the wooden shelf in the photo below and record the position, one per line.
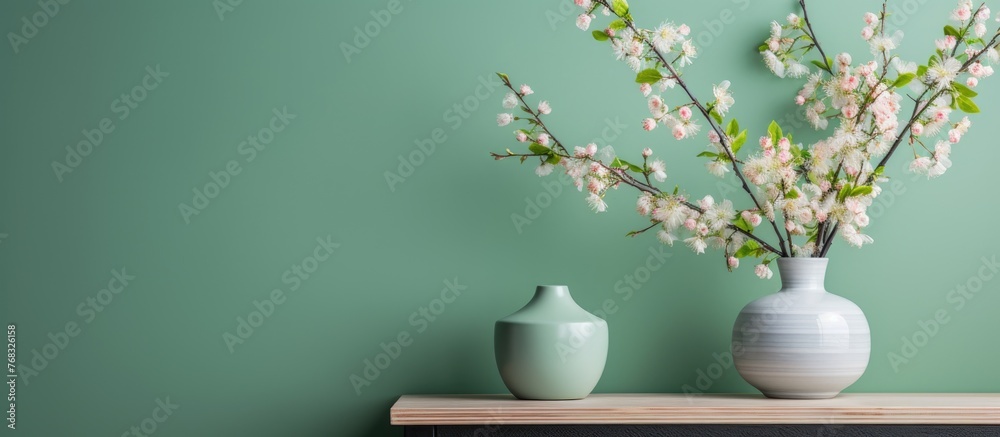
(626, 409)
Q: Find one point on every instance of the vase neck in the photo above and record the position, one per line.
(802, 273)
(551, 292)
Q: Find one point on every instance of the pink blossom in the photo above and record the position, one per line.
(713, 137)
(685, 30)
(850, 111)
(947, 43)
(977, 69)
(871, 19)
(917, 128)
(521, 137)
(655, 104)
(543, 139)
(774, 44)
(765, 143)
(645, 89)
(544, 108)
(609, 32)
(706, 202)
(679, 133)
(940, 115)
(799, 100)
(703, 229)
(849, 83)
(763, 271)
(784, 156)
(861, 219)
(690, 224)
(789, 225)
(504, 119)
(643, 205)
(784, 144)
(752, 218)
(825, 185)
(733, 262)
(844, 60)
(595, 185)
(920, 165)
(954, 136)
(983, 13)
(583, 3)
(980, 30)
(649, 124)
(867, 33)
(526, 90)
(821, 216)
(583, 21)
(962, 13)
(591, 150)
(684, 112)
(647, 152)
(635, 49)
(972, 82)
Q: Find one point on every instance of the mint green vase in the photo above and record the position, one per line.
(551, 349)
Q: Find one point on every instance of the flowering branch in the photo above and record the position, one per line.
(812, 34)
(821, 189)
(617, 174)
(724, 139)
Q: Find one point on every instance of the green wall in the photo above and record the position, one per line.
(387, 252)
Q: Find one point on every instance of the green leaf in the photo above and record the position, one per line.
(903, 79)
(553, 159)
(620, 7)
(750, 247)
(863, 190)
(708, 155)
(775, 132)
(967, 105)
(819, 64)
(742, 224)
(793, 194)
(539, 149)
(950, 30)
(932, 61)
(964, 90)
(739, 141)
(504, 77)
(617, 25)
(733, 128)
(649, 75)
(922, 70)
(879, 170)
(621, 163)
(715, 115)
(599, 35)
(844, 192)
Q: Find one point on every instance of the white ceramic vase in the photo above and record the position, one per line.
(801, 342)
